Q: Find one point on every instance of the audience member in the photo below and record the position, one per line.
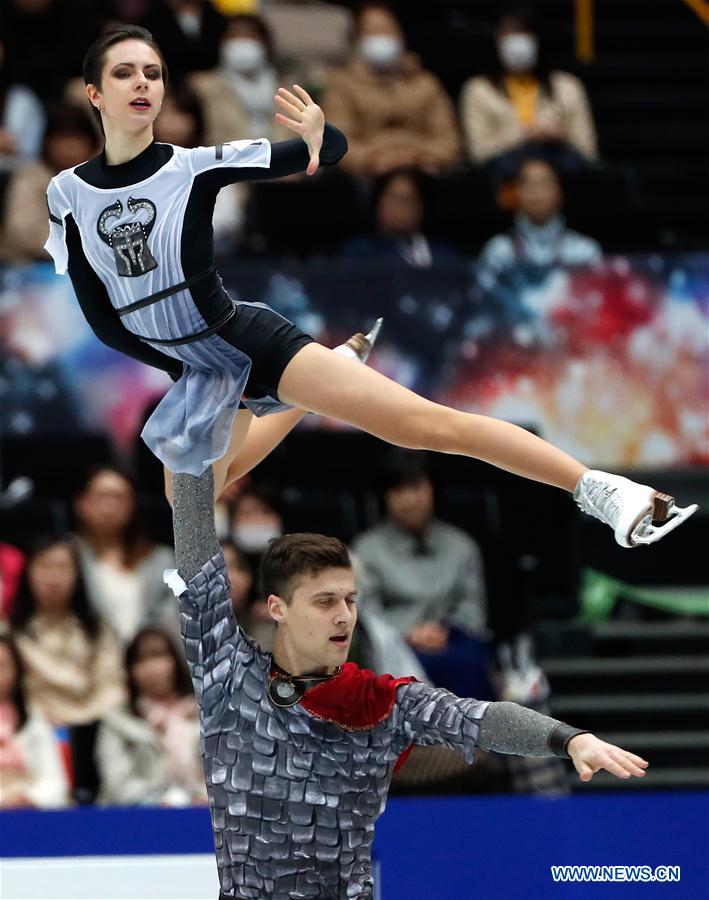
(72, 659)
(31, 767)
(524, 104)
(399, 217)
(188, 32)
(238, 93)
(148, 753)
(255, 521)
(539, 238)
(181, 122)
(123, 568)
(69, 139)
(11, 564)
(395, 113)
(310, 37)
(251, 611)
(21, 120)
(426, 579)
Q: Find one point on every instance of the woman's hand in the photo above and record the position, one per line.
(589, 755)
(305, 117)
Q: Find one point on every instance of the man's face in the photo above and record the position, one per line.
(538, 192)
(410, 504)
(317, 624)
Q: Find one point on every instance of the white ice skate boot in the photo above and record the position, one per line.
(359, 346)
(638, 514)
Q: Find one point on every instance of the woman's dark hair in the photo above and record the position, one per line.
(18, 694)
(24, 606)
(261, 493)
(96, 54)
(260, 24)
(183, 685)
(187, 101)
(67, 119)
(136, 544)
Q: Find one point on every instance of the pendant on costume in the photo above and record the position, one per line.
(129, 241)
(283, 692)
(286, 690)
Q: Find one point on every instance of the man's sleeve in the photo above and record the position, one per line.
(214, 644)
(436, 717)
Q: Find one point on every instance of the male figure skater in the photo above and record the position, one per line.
(299, 745)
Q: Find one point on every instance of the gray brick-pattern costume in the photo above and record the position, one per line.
(294, 799)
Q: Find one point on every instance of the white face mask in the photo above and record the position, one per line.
(518, 52)
(254, 537)
(243, 55)
(381, 50)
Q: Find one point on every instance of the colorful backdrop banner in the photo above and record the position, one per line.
(610, 363)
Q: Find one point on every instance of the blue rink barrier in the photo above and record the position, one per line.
(443, 848)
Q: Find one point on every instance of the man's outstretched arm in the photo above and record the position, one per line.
(214, 645)
(434, 716)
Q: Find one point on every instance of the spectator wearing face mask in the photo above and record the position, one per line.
(148, 752)
(255, 521)
(539, 238)
(69, 139)
(523, 103)
(238, 94)
(395, 114)
(399, 238)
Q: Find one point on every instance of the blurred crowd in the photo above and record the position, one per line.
(96, 703)
(521, 125)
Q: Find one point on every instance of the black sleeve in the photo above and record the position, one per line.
(287, 158)
(102, 317)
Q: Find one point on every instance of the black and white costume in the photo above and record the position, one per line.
(136, 239)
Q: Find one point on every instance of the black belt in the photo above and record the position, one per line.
(165, 292)
(174, 342)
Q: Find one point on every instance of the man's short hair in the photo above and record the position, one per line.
(293, 555)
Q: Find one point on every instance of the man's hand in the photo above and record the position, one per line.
(305, 118)
(590, 755)
(431, 637)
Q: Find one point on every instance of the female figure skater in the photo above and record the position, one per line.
(133, 228)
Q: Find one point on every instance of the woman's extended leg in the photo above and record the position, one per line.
(321, 381)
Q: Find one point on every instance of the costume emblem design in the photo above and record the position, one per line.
(129, 241)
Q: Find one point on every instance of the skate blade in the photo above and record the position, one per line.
(666, 516)
(361, 344)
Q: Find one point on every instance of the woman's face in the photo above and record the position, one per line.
(154, 672)
(8, 673)
(52, 576)
(106, 505)
(132, 89)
